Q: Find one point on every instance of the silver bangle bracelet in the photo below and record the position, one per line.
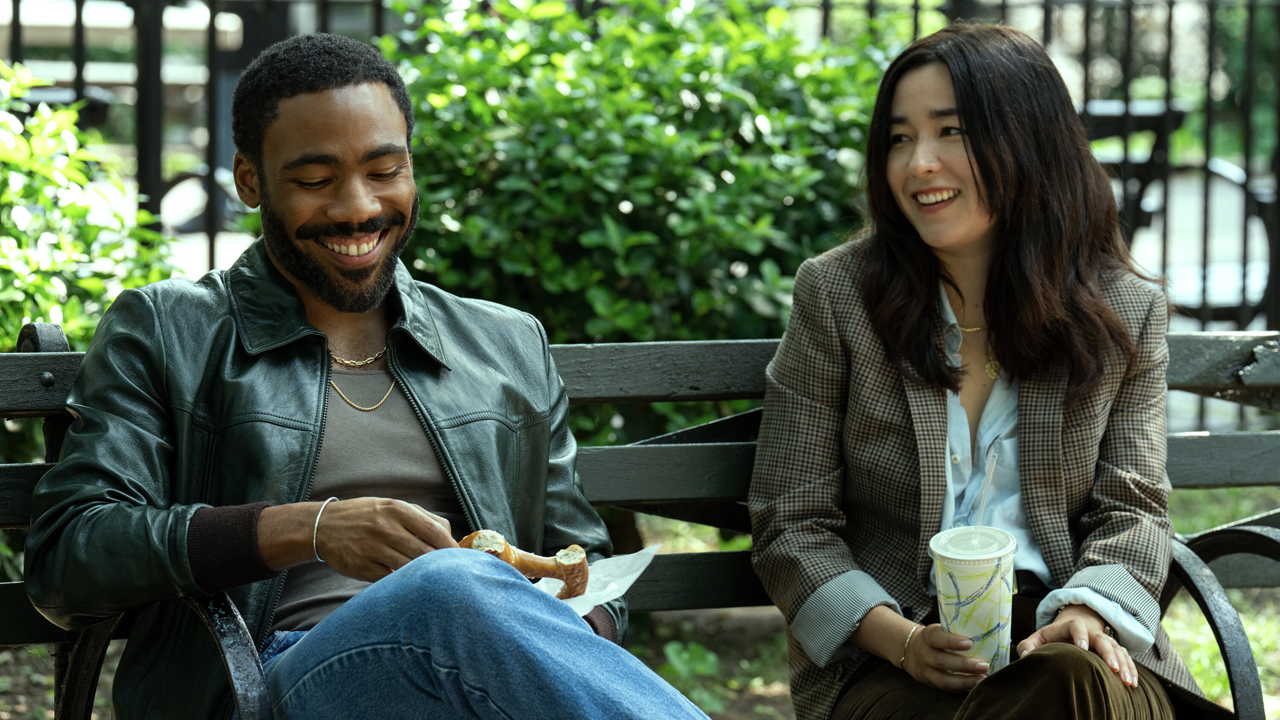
(316, 530)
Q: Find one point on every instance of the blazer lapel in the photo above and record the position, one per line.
(1040, 412)
(929, 419)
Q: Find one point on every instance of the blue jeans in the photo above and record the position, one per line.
(460, 634)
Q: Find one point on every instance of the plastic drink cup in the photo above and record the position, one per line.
(973, 569)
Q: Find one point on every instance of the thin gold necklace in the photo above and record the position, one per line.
(357, 363)
(993, 366)
(368, 409)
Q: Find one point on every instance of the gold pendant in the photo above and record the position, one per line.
(993, 368)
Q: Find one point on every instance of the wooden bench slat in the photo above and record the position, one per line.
(16, 484)
(722, 471)
(664, 371)
(22, 394)
(1209, 361)
(690, 581)
(1225, 459)
(696, 370)
(724, 579)
(636, 473)
(21, 624)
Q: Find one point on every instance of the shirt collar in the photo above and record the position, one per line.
(269, 314)
(950, 326)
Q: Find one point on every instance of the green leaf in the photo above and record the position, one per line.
(775, 17)
(516, 52)
(547, 10)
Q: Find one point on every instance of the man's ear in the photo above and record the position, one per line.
(247, 181)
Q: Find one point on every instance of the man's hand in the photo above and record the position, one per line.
(930, 662)
(1079, 624)
(365, 538)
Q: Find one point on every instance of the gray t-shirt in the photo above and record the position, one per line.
(382, 453)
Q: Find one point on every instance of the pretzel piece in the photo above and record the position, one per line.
(568, 566)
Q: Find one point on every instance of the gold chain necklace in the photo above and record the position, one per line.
(993, 366)
(365, 409)
(357, 363)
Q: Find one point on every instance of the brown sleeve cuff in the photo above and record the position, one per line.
(602, 624)
(222, 547)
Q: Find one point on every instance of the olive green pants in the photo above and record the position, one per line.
(1057, 681)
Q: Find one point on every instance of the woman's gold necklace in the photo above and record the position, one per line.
(361, 363)
(993, 367)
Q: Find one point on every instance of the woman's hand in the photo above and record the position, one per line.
(885, 633)
(929, 660)
(1079, 624)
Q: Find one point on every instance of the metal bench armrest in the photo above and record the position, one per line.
(239, 654)
(1233, 539)
(1188, 570)
(76, 669)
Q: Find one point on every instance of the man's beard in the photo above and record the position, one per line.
(312, 274)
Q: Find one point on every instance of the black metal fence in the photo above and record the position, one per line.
(1182, 98)
(234, 33)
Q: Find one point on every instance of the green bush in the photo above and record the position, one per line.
(656, 171)
(688, 667)
(63, 256)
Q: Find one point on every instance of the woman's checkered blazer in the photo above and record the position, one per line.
(850, 469)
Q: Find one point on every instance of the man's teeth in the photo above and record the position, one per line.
(936, 197)
(354, 250)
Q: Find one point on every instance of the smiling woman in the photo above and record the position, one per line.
(989, 319)
(929, 170)
(1032, 208)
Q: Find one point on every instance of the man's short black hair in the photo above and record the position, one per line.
(305, 64)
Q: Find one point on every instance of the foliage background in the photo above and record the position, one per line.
(656, 171)
(60, 260)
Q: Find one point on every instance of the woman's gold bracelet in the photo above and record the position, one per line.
(903, 662)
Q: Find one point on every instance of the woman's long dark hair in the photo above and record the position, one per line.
(1056, 221)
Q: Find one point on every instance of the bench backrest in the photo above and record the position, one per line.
(702, 474)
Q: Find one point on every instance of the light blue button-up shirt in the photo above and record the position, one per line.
(998, 433)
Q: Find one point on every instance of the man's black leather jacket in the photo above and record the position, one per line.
(213, 393)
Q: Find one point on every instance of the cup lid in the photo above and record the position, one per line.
(972, 544)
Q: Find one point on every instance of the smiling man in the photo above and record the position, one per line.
(312, 431)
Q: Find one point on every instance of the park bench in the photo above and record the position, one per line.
(699, 474)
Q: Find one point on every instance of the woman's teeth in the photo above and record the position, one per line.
(355, 250)
(936, 197)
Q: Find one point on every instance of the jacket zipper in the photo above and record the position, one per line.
(446, 462)
(277, 591)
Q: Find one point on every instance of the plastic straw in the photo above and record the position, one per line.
(983, 493)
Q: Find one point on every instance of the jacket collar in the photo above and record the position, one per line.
(268, 313)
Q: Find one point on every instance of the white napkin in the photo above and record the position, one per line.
(609, 580)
